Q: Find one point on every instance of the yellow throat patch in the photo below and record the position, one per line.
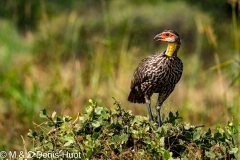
(171, 48)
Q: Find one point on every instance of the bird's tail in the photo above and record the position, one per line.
(136, 97)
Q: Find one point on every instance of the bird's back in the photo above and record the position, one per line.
(156, 73)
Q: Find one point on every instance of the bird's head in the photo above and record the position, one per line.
(168, 36)
(173, 40)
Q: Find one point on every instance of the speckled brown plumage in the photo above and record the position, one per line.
(157, 73)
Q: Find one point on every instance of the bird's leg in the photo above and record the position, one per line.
(149, 111)
(158, 108)
(148, 104)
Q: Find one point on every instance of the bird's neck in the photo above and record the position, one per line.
(172, 48)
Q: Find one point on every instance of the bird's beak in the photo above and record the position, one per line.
(158, 37)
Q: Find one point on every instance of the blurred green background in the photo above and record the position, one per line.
(57, 54)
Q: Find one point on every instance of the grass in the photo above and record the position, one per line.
(92, 53)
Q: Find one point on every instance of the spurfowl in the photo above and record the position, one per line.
(157, 73)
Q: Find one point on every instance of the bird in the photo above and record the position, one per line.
(157, 73)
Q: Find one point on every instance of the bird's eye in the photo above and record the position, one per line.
(167, 34)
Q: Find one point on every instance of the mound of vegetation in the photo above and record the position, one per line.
(101, 133)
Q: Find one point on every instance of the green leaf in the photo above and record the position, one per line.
(110, 134)
(95, 135)
(124, 138)
(105, 114)
(188, 135)
(162, 143)
(68, 143)
(146, 129)
(177, 114)
(67, 118)
(50, 146)
(50, 123)
(147, 140)
(135, 133)
(83, 118)
(41, 136)
(69, 140)
(32, 134)
(89, 109)
(184, 158)
(187, 126)
(90, 101)
(95, 123)
(196, 135)
(171, 118)
(167, 154)
(210, 154)
(233, 150)
(53, 114)
(209, 134)
(63, 126)
(59, 120)
(218, 136)
(219, 129)
(98, 110)
(43, 113)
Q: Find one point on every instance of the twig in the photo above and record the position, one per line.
(199, 126)
(25, 149)
(116, 102)
(76, 120)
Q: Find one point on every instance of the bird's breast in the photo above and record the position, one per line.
(165, 70)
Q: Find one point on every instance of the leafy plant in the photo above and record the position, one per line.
(101, 133)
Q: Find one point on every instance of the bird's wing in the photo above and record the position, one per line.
(140, 74)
